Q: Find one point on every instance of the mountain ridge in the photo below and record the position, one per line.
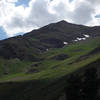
(54, 35)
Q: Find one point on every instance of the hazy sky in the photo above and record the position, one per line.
(21, 16)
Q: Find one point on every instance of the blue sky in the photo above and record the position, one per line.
(70, 0)
(22, 2)
(3, 34)
(97, 16)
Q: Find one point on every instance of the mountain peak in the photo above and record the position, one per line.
(62, 21)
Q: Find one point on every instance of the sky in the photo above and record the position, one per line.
(21, 16)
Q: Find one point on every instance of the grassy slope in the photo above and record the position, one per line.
(53, 73)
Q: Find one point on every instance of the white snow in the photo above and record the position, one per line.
(84, 38)
(65, 43)
(79, 38)
(47, 49)
(87, 36)
(75, 40)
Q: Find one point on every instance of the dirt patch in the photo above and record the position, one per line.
(35, 64)
(32, 71)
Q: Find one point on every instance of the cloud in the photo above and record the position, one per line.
(83, 12)
(15, 19)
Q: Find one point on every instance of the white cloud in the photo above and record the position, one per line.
(42, 12)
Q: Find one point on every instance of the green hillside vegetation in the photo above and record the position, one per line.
(46, 78)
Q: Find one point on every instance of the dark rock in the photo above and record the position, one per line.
(56, 43)
(32, 71)
(36, 64)
(96, 50)
(6, 73)
(60, 57)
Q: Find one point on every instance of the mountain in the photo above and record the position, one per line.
(39, 64)
(55, 35)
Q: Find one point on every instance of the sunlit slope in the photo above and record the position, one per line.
(51, 60)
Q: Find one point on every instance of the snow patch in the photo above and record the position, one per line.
(83, 38)
(65, 43)
(47, 49)
(75, 40)
(79, 39)
(87, 36)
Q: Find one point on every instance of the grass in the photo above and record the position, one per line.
(48, 65)
(52, 72)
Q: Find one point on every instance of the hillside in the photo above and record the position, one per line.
(37, 65)
(55, 35)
